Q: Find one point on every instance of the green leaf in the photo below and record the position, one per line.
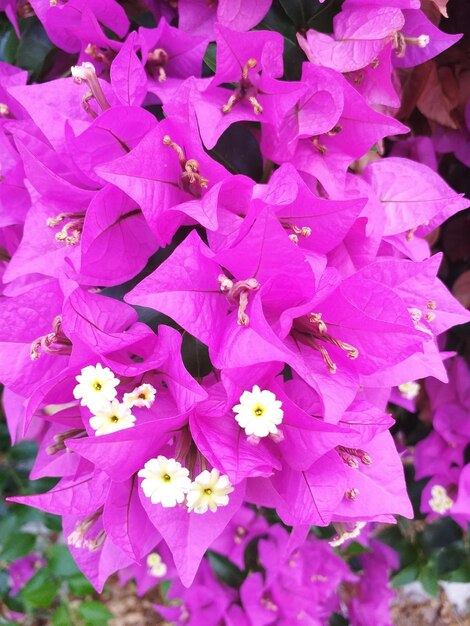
(20, 545)
(428, 578)
(354, 548)
(15, 604)
(238, 151)
(452, 558)
(8, 527)
(61, 562)
(4, 583)
(40, 591)
(94, 613)
(164, 588)
(210, 55)
(79, 585)
(275, 20)
(296, 10)
(322, 20)
(303, 12)
(225, 570)
(407, 575)
(34, 47)
(23, 452)
(441, 533)
(195, 356)
(53, 522)
(338, 620)
(61, 616)
(8, 43)
(459, 575)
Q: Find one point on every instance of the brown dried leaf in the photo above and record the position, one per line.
(413, 84)
(442, 6)
(431, 11)
(439, 96)
(461, 289)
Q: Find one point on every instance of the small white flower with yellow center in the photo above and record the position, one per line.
(156, 566)
(440, 501)
(409, 390)
(259, 413)
(165, 481)
(111, 417)
(96, 385)
(142, 396)
(208, 491)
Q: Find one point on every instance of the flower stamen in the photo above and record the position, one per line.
(157, 60)
(86, 72)
(246, 89)
(191, 179)
(53, 343)
(77, 537)
(401, 41)
(71, 232)
(353, 453)
(237, 294)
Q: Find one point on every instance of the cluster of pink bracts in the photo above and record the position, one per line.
(313, 289)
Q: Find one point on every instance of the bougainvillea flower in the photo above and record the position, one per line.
(24, 319)
(170, 56)
(212, 276)
(77, 23)
(358, 128)
(253, 61)
(360, 34)
(198, 17)
(289, 195)
(114, 228)
(167, 174)
(416, 25)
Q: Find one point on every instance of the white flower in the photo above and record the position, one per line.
(409, 390)
(165, 481)
(96, 385)
(208, 491)
(111, 417)
(143, 396)
(440, 501)
(156, 566)
(259, 412)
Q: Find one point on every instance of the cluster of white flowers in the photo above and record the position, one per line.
(167, 482)
(96, 390)
(259, 412)
(440, 502)
(156, 566)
